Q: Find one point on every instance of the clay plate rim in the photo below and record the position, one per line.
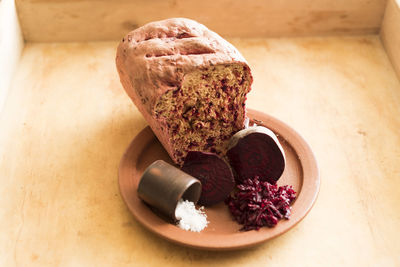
(235, 240)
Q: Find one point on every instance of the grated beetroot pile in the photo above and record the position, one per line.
(257, 203)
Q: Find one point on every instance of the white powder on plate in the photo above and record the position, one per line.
(190, 218)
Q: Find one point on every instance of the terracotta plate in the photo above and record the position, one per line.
(222, 232)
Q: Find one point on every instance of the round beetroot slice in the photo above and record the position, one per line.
(214, 174)
(256, 151)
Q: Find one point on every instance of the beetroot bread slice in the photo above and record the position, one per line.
(256, 151)
(214, 173)
(188, 82)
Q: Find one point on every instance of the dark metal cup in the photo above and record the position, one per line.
(163, 185)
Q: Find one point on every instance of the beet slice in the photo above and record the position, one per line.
(214, 173)
(256, 151)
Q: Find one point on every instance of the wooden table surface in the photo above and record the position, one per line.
(67, 122)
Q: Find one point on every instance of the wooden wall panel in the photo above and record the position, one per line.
(390, 33)
(11, 45)
(83, 20)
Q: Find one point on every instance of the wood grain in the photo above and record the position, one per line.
(83, 20)
(67, 122)
(390, 33)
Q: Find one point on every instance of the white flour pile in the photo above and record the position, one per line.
(190, 219)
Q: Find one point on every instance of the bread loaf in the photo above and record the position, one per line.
(188, 82)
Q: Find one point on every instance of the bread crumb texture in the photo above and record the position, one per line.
(206, 110)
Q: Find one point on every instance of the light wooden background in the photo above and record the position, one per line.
(83, 20)
(390, 33)
(94, 20)
(11, 45)
(67, 122)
